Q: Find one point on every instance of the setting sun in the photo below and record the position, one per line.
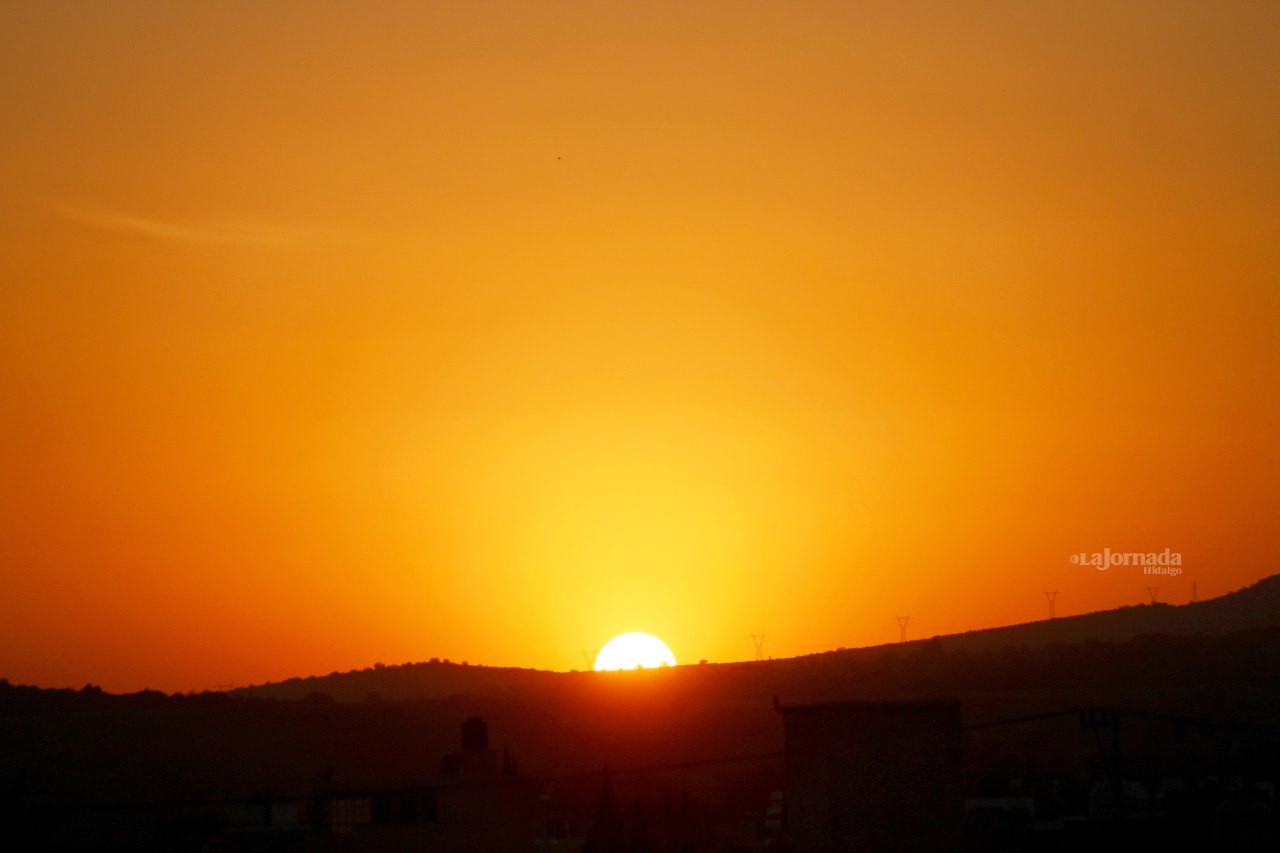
(634, 650)
(571, 317)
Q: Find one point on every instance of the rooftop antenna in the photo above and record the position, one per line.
(589, 655)
(758, 639)
(1052, 595)
(902, 627)
(1154, 592)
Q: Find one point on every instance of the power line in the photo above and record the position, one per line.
(1093, 715)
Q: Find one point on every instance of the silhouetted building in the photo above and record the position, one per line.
(473, 806)
(475, 735)
(476, 762)
(605, 835)
(874, 776)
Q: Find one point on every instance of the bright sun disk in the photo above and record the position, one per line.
(634, 650)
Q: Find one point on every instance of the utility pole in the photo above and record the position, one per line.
(1052, 595)
(1098, 719)
(902, 627)
(758, 639)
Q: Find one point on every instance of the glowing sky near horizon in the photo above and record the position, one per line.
(341, 333)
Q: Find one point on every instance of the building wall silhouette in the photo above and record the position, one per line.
(874, 776)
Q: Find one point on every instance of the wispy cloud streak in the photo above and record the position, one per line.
(229, 231)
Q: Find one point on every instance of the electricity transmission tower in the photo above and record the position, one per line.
(902, 627)
(589, 655)
(1052, 595)
(758, 639)
(1154, 592)
(1193, 592)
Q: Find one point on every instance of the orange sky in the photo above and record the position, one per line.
(342, 333)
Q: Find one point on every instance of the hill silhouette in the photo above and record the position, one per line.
(1255, 606)
(709, 731)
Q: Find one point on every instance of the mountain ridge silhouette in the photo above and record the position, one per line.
(1253, 606)
(1215, 660)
